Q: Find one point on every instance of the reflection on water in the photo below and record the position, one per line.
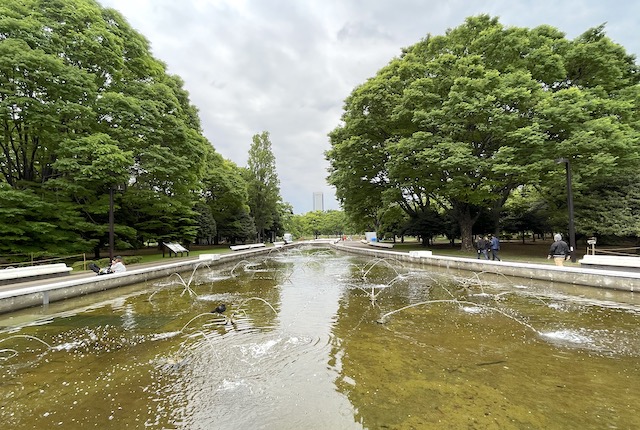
(317, 340)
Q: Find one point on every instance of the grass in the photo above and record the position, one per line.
(151, 255)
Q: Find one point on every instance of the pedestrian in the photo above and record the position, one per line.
(494, 244)
(487, 247)
(481, 246)
(559, 250)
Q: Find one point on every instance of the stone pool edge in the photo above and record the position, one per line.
(600, 278)
(40, 293)
(22, 296)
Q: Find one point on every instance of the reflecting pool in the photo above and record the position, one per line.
(315, 339)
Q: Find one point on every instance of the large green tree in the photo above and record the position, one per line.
(460, 121)
(85, 107)
(225, 190)
(264, 185)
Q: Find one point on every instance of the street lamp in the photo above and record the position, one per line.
(112, 189)
(572, 230)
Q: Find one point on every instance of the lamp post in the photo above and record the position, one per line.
(572, 230)
(111, 223)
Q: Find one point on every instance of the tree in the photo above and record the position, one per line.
(460, 121)
(526, 212)
(393, 222)
(358, 151)
(206, 224)
(316, 223)
(31, 225)
(85, 106)
(263, 184)
(225, 191)
(283, 213)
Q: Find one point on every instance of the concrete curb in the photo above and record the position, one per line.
(616, 280)
(22, 296)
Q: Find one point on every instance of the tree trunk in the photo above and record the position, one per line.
(466, 230)
(467, 238)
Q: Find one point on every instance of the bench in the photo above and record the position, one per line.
(380, 244)
(420, 254)
(611, 262)
(175, 249)
(29, 273)
(248, 246)
(278, 244)
(325, 240)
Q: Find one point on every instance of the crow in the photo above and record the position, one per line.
(219, 309)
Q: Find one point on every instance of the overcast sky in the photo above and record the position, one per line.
(286, 66)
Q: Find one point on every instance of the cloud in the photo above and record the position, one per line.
(286, 66)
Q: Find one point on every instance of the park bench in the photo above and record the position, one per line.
(29, 273)
(420, 254)
(380, 244)
(611, 262)
(248, 246)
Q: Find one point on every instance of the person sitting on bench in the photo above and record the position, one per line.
(116, 266)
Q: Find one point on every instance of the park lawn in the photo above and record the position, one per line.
(152, 255)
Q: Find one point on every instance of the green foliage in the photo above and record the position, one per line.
(225, 191)
(393, 222)
(243, 228)
(460, 121)
(263, 184)
(526, 212)
(611, 209)
(206, 224)
(90, 163)
(33, 224)
(318, 223)
(84, 106)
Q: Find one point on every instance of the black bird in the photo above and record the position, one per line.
(219, 309)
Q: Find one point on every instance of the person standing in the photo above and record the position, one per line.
(487, 247)
(481, 246)
(494, 244)
(559, 250)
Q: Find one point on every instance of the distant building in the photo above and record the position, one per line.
(318, 202)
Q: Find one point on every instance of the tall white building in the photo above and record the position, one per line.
(318, 201)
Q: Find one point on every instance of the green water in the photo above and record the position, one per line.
(304, 345)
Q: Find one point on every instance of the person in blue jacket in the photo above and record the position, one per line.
(495, 247)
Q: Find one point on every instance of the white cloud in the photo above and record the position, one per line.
(286, 66)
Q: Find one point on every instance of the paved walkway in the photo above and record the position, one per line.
(84, 274)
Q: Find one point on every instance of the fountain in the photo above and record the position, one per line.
(185, 284)
(313, 336)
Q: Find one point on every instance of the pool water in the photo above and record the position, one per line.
(317, 339)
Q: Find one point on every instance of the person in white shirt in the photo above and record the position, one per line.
(116, 266)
